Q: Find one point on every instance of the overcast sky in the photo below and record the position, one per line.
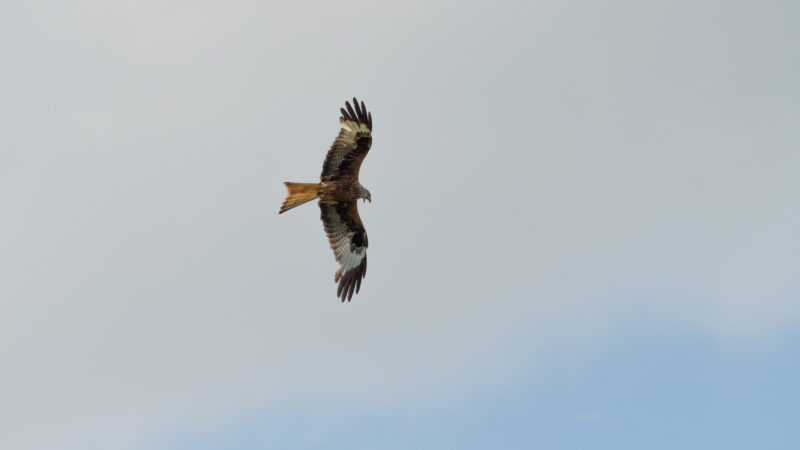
(583, 234)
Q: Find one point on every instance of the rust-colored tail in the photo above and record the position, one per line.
(299, 193)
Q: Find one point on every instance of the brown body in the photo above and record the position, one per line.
(343, 191)
(340, 191)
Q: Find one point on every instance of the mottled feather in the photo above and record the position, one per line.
(348, 150)
(348, 240)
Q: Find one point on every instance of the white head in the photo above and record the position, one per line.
(365, 194)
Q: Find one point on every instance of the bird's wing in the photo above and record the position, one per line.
(351, 145)
(348, 240)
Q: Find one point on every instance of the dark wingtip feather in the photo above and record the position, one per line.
(357, 112)
(350, 110)
(350, 282)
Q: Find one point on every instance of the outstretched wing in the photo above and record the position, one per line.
(351, 145)
(348, 240)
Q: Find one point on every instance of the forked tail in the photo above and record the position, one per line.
(299, 193)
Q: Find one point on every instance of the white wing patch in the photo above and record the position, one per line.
(353, 127)
(346, 258)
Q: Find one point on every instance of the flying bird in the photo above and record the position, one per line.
(338, 191)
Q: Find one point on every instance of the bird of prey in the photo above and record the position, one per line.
(338, 192)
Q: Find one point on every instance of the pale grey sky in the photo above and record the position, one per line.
(543, 174)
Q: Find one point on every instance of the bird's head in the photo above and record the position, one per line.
(365, 194)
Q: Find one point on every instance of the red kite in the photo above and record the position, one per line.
(338, 192)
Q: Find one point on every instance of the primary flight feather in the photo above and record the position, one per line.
(338, 192)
